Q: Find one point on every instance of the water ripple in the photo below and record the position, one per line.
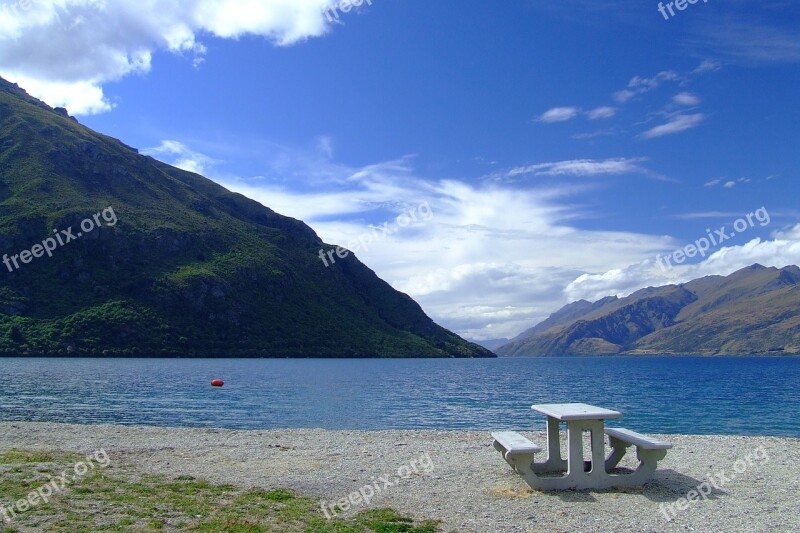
(746, 396)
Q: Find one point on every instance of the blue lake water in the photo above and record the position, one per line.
(744, 396)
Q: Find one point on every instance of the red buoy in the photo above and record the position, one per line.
(217, 383)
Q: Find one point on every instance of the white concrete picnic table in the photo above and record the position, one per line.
(557, 473)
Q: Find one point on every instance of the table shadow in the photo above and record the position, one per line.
(668, 486)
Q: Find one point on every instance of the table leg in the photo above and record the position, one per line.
(554, 463)
(598, 448)
(618, 450)
(589, 474)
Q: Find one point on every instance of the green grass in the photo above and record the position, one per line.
(118, 499)
(24, 457)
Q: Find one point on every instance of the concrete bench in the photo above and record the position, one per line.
(517, 451)
(648, 450)
(512, 443)
(637, 439)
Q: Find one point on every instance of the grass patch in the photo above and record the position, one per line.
(118, 499)
(25, 457)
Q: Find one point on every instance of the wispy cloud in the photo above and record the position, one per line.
(709, 65)
(751, 42)
(601, 113)
(733, 183)
(727, 183)
(594, 134)
(675, 125)
(686, 99)
(638, 86)
(583, 168)
(181, 156)
(564, 114)
(325, 146)
(641, 85)
(707, 214)
(470, 267)
(559, 114)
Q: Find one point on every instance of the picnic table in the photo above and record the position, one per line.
(574, 472)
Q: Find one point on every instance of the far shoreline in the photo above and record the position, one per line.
(372, 358)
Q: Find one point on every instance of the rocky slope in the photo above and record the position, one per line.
(753, 311)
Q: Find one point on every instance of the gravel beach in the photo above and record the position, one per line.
(456, 476)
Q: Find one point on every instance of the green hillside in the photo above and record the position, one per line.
(176, 265)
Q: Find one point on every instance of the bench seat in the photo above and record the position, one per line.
(637, 439)
(514, 443)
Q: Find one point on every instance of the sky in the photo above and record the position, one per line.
(494, 160)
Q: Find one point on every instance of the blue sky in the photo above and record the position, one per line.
(561, 146)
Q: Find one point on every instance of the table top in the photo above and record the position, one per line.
(575, 411)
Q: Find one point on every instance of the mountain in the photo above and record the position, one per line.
(111, 253)
(490, 344)
(752, 311)
(564, 316)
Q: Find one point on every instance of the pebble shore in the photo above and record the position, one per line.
(457, 477)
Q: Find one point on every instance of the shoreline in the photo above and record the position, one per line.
(468, 486)
(765, 355)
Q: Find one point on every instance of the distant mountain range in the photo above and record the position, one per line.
(491, 344)
(753, 311)
(174, 264)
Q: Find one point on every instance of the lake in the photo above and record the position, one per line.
(692, 395)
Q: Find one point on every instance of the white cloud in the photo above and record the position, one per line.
(707, 214)
(583, 167)
(493, 260)
(601, 113)
(325, 146)
(65, 51)
(624, 95)
(686, 99)
(79, 97)
(707, 66)
(648, 84)
(594, 134)
(564, 114)
(181, 156)
(559, 114)
(747, 41)
(676, 124)
(782, 250)
(727, 184)
(639, 85)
